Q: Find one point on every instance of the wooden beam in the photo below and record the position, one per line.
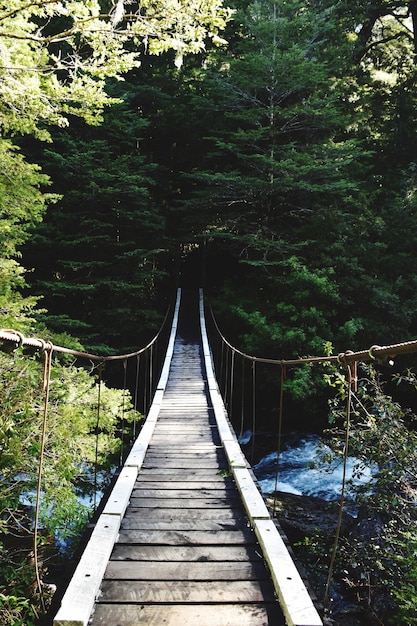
(295, 601)
(79, 598)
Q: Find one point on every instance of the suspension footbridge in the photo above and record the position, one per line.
(185, 536)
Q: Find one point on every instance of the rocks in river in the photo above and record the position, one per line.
(301, 516)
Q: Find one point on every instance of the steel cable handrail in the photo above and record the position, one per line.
(349, 360)
(48, 348)
(349, 356)
(14, 336)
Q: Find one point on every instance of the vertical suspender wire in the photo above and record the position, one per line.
(100, 369)
(221, 364)
(217, 355)
(219, 359)
(135, 407)
(145, 385)
(253, 409)
(226, 376)
(150, 375)
(350, 382)
(280, 418)
(123, 410)
(155, 360)
(47, 355)
(242, 398)
(232, 379)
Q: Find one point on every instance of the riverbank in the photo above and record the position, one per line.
(307, 522)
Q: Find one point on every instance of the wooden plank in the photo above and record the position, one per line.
(189, 456)
(120, 494)
(184, 494)
(173, 503)
(187, 537)
(166, 591)
(201, 417)
(182, 463)
(134, 552)
(212, 485)
(167, 439)
(181, 424)
(181, 570)
(179, 431)
(295, 600)
(184, 524)
(185, 614)
(181, 474)
(252, 499)
(185, 472)
(78, 600)
(200, 446)
(199, 452)
(187, 514)
(193, 442)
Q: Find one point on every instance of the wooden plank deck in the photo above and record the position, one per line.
(186, 552)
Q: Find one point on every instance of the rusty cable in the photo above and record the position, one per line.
(370, 354)
(46, 379)
(100, 368)
(351, 374)
(19, 339)
(279, 435)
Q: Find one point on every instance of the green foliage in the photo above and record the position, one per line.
(79, 437)
(405, 592)
(22, 205)
(15, 611)
(56, 56)
(379, 550)
(22, 202)
(96, 254)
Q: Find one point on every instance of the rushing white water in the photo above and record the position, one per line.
(301, 472)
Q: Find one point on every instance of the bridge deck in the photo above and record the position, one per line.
(185, 554)
(175, 545)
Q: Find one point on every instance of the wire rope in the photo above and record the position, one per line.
(350, 383)
(232, 377)
(226, 376)
(242, 399)
(135, 407)
(100, 367)
(253, 410)
(150, 375)
(122, 425)
(279, 434)
(46, 379)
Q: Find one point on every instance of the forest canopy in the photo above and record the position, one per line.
(265, 150)
(56, 56)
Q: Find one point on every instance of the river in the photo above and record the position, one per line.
(302, 471)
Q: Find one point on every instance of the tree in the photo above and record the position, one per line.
(74, 432)
(56, 56)
(278, 159)
(22, 205)
(56, 59)
(376, 556)
(96, 254)
(306, 176)
(376, 25)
